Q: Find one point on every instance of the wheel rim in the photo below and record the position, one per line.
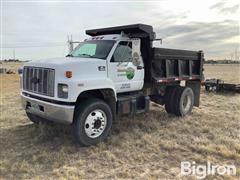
(187, 103)
(95, 123)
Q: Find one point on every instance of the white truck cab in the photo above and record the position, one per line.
(106, 76)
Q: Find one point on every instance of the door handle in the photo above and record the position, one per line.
(139, 67)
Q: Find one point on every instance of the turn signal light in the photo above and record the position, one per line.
(68, 74)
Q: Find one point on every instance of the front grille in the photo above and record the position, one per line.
(39, 80)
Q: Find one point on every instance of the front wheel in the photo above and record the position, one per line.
(92, 122)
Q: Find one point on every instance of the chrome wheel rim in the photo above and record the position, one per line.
(95, 123)
(186, 103)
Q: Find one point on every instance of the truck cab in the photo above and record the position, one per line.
(117, 52)
(114, 72)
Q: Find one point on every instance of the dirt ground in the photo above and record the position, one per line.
(149, 146)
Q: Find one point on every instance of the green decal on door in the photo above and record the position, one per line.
(130, 73)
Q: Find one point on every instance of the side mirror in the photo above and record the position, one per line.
(136, 53)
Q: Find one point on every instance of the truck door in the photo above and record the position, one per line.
(126, 73)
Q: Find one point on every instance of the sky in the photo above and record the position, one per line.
(38, 29)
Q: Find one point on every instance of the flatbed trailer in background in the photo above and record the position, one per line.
(219, 85)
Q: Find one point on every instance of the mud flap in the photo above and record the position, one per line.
(196, 87)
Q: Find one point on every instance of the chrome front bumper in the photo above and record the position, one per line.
(50, 111)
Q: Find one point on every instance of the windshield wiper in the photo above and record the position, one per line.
(70, 55)
(85, 55)
(99, 57)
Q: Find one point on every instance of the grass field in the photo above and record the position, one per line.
(149, 146)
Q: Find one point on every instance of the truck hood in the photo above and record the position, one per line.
(64, 61)
(85, 68)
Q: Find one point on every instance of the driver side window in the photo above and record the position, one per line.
(123, 52)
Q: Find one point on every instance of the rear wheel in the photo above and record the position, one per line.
(92, 122)
(184, 99)
(169, 98)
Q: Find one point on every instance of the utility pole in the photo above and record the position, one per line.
(236, 55)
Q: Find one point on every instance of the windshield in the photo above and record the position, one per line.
(93, 49)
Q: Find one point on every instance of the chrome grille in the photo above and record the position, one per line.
(39, 80)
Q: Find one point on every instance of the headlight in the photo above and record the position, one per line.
(63, 91)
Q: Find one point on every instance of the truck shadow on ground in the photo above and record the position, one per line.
(55, 135)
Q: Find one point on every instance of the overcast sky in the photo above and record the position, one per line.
(208, 25)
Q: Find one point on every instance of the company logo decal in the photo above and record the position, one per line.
(101, 68)
(129, 72)
(35, 80)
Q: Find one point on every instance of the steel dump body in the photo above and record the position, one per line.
(174, 64)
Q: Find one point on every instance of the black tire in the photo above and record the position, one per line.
(169, 98)
(82, 112)
(37, 120)
(184, 100)
(207, 88)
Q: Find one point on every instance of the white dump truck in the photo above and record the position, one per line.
(115, 72)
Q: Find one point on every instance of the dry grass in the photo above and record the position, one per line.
(229, 73)
(149, 146)
(12, 66)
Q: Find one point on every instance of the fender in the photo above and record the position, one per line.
(78, 87)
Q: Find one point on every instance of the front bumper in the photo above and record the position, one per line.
(54, 112)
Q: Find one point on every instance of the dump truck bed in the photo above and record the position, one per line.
(175, 64)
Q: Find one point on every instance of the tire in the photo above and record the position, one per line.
(37, 120)
(207, 88)
(184, 100)
(169, 98)
(92, 122)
